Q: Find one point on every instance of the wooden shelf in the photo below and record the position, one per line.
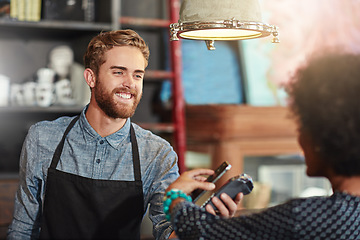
(232, 121)
(158, 75)
(158, 127)
(230, 132)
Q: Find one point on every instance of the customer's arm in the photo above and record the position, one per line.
(279, 222)
(192, 222)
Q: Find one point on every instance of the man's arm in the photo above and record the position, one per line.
(25, 223)
(166, 172)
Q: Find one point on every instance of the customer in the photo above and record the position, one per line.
(93, 176)
(324, 97)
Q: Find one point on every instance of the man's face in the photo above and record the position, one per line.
(118, 87)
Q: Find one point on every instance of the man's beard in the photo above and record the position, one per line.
(111, 108)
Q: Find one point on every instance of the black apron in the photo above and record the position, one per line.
(76, 207)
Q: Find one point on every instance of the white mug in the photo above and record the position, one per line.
(4, 90)
(29, 93)
(63, 92)
(45, 75)
(45, 96)
(16, 94)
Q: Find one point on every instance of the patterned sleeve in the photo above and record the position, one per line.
(192, 222)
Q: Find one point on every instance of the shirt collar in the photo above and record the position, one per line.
(115, 139)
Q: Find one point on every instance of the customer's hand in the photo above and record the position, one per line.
(194, 179)
(227, 207)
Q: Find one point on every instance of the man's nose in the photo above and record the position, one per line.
(128, 81)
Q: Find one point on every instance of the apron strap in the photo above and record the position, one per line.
(135, 152)
(57, 154)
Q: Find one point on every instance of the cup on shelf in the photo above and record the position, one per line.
(16, 94)
(4, 90)
(44, 92)
(29, 93)
(63, 92)
(45, 75)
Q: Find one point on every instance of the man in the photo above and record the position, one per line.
(92, 176)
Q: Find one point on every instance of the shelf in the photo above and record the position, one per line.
(158, 127)
(51, 109)
(50, 24)
(9, 175)
(144, 22)
(238, 131)
(158, 75)
(238, 121)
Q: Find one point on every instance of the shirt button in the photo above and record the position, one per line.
(98, 160)
(101, 141)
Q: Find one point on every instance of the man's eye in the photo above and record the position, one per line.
(139, 76)
(118, 73)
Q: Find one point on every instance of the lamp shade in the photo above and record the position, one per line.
(211, 20)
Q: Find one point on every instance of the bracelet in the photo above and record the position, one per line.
(170, 196)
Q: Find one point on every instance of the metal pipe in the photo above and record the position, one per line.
(178, 113)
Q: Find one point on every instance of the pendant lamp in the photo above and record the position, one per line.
(213, 20)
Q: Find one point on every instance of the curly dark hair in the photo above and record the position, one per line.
(324, 98)
(100, 44)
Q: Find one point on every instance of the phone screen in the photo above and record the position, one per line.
(225, 166)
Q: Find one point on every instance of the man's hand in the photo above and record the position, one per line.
(191, 180)
(226, 207)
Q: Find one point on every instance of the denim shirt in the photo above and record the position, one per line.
(87, 154)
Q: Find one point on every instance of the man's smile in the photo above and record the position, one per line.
(124, 95)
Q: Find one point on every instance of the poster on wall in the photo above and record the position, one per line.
(209, 77)
(305, 27)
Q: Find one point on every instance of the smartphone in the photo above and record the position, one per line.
(225, 166)
(241, 183)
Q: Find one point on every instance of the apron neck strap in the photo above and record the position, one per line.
(60, 146)
(135, 152)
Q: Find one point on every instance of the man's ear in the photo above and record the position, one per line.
(89, 76)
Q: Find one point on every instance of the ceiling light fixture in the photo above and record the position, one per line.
(213, 20)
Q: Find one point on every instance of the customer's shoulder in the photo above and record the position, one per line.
(314, 202)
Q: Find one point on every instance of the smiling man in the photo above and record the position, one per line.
(93, 176)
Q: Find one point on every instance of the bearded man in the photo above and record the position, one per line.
(92, 176)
